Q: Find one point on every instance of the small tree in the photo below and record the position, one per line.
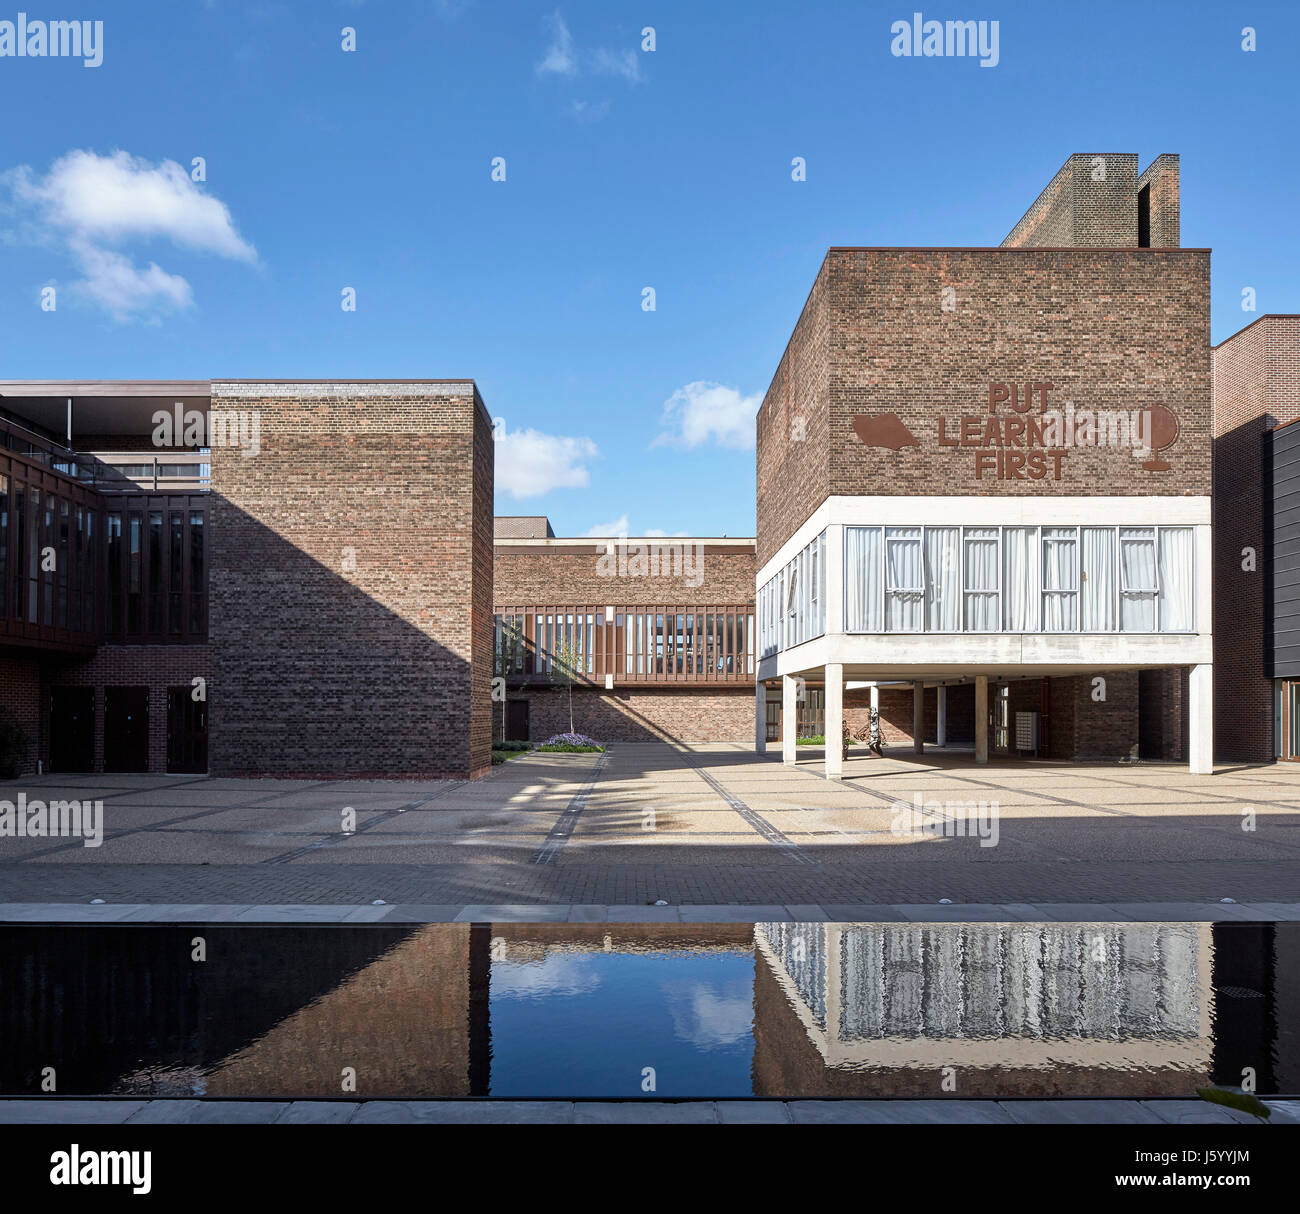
(565, 669)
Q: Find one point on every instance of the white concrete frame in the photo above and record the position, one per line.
(931, 656)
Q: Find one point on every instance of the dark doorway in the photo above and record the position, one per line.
(187, 731)
(72, 729)
(126, 729)
(516, 721)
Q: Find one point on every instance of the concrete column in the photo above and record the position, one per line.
(789, 717)
(875, 697)
(981, 718)
(760, 718)
(941, 733)
(918, 717)
(834, 721)
(1200, 719)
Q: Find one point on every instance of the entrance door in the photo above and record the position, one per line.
(773, 718)
(126, 729)
(187, 731)
(516, 721)
(1288, 719)
(72, 729)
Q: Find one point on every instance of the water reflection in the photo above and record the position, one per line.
(707, 1011)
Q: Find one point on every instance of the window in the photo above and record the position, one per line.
(1060, 579)
(905, 591)
(863, 580)
(1099, 598)
(1177, 601)
(1137, 604)
(980, 559)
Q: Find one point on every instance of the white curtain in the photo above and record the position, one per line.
(1098, 579)
(1060, 598)
(943, 579)
(1177, 579)
(903, 570)
(862, 579)
(982, 579)
(1020, 585)
(1137, 558)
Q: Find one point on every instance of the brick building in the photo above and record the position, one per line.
(986, 479)
(643, 638)
(984, 486)
(1256, 542)
(310, 561)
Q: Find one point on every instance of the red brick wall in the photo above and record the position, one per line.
(157, 667)
(20, 693)
(792, 457)
(1076, 209)
(562, 576)
(326, 669)
(875, 339)
(1256, 386)
(643, 715)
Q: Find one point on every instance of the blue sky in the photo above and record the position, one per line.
(625, 169)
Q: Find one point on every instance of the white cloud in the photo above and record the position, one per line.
(706, 412)
(559, 59)
(617, 527)
(585, 111)
(627, 64)
(90, 203)
(124, 290)
(564, 58)
(529, 463)
(121, 197)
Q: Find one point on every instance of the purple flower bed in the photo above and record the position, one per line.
(570, 741)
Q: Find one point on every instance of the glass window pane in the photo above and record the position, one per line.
(1099, 579)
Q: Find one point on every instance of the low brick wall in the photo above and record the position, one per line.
(724, 715)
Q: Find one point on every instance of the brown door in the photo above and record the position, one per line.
(72, 729)
(187, 731)
(126, 729)
(516, 721)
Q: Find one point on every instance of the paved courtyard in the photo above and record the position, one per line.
(690, 825)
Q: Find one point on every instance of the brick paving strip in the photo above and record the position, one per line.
(567, 820)
(49, 1110)
(787, 846)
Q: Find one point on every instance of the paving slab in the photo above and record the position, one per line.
(319, 1112)
(965, 912)
(735, 914)
(1079, 1112)
(464, 1112)
(588, 914)
(647, 1113)
(1195, 1112)
(1180, 912)
(68, 1112)
(1080, 912)
(896, 1112)
(752, 1112)
(521, 913)
(643, 914)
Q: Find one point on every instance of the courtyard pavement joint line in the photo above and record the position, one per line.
(381, 816)
(787, 846)
(565, 823)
